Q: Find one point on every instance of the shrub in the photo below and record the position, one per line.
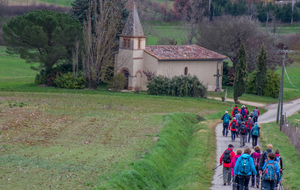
(137, 90)
(117, 82)
(177, 86)
(272, 85)
(41, 77)
(50, 78)
(158, 85)
(69, 81)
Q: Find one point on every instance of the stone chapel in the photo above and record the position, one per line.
(134, 57)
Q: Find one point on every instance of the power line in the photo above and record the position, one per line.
(289, 78)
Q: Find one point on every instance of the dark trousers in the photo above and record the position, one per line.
(242, 140)
(257, 177)
(225, 129)
(255, 118)
(254, 140)
(233, 135)
(235, 184)
(269, 185)
(249, 136)
(244, 182)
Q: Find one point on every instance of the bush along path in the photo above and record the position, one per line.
(181, 158)
(222, 142)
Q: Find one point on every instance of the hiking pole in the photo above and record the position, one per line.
(227, 172)
(217, 167)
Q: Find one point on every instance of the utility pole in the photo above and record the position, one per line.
(282, 89)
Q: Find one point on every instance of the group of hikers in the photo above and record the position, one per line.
(243, 125)
(240, 167)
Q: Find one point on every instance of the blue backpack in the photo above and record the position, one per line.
(244, 166)
(226, 119)
(255, 130)
(243, 111)
(270, 172)
(255, 112)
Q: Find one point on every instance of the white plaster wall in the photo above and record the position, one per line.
(204, 70)
(136, 41)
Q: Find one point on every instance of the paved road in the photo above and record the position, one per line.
(222, 142)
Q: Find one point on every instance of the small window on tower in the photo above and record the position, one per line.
(126, 43)
(186, 70)
(139, 44)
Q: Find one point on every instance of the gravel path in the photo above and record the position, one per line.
(222, 142)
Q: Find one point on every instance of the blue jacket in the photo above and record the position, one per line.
(276, 168)
(238, 162)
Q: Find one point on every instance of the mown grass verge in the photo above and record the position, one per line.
(181, 159)
(270, 133)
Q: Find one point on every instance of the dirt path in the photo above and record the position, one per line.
(222, 142)
(260, 105)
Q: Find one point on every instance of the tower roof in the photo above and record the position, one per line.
(133, 25)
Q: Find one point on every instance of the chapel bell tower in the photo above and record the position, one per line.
(131, 48)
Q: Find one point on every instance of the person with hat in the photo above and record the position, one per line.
(225, 159)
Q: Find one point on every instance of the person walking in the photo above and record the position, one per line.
(255, 131)
(264, 159)
(243, 169)
(280, 164)
(225, 159)
(235, 111)
(247, 113)
(233, 127)
(270, 173)
(235, 180)
(226, 118)
(256, 113)
(249, 125)
(238, 117)
(243, 133)
(256, 158)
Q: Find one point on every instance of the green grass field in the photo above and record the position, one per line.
(271, 134)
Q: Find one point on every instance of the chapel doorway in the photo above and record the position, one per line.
(126, 74)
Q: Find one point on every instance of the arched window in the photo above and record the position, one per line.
(186, 71)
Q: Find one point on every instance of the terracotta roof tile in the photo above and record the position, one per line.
(188, 52)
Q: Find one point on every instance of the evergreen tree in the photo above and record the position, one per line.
(80, 8)
(239, 85)
(261, 74)
(42, 36)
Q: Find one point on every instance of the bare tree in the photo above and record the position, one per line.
(226, 34)
(192, 17)
(3, 4)
(100, 45)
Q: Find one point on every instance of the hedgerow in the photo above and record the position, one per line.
(177, 86)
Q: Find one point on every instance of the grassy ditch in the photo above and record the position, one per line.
(180, 159)
(270, 134)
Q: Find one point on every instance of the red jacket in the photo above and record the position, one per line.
(237, 124)
(251, 124)
(232, 154)
(233, 111)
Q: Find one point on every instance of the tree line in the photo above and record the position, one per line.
(82, 42)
